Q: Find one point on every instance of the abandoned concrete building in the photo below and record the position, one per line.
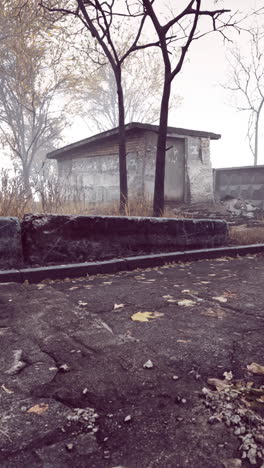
(91, 165)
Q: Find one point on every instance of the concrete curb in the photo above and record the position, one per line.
(75, 270)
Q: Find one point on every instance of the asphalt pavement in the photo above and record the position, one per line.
(152, 368)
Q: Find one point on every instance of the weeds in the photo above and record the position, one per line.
(243, 235)
(48, 196)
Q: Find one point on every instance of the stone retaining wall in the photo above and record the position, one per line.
(65, 239)
(58, 239)
(10, 243)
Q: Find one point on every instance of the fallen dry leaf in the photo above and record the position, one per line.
(183, 341)
(218, 384)
(220, 299)
(186, 303)
(145, 316)
(228, 375)
(167, 297)
(81, 303)
(232, 463)
(73, 287)
(38, 409)
(107, 282)
(260, 399)
(255, 368)
(218, 313)
(6, 389)
(41, 286)
(118, 306)
(172, 300)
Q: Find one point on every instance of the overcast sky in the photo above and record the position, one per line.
(206, 106)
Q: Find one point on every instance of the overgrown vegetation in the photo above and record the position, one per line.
(47, 196)
(244, 235)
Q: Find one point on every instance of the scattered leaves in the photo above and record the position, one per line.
(228, 375)
(118, 306)
(218, 384)
(186, 303)
(232, 463)
(39, 408)
(260, 399)
(220, 299)
(145, 316)
(218, 313)
(255, 368)
(6, 389)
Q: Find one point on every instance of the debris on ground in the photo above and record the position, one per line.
(148, 364)
(236, 403)
(232, 209)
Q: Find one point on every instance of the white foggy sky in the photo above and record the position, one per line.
(206, 106)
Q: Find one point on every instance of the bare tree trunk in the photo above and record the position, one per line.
(122, 147)
(158, 204)
(26, 180)
(256, 145)
(256, 140)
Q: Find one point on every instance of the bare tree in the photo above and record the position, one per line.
(173, 36)
(142, 88)
(103, 19)
(246, 83)
(182, 28)
(31, 81)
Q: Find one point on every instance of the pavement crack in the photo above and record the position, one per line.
(227, 306)
(91, 349)
(50, 355)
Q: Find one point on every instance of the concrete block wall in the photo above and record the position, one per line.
(240, 182)
(97, 178)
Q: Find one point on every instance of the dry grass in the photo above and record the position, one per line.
(13, 199)
(50, 197)
(243, 235)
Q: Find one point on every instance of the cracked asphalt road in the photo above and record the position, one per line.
(74, 391)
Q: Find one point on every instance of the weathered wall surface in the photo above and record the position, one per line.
(199, 170)
(188, 175)
(241, 182)
(10, 243)
(175, 176)
(64, 239)
(95, 173)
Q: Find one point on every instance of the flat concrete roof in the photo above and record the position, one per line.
(128, 128)
(235, 168)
